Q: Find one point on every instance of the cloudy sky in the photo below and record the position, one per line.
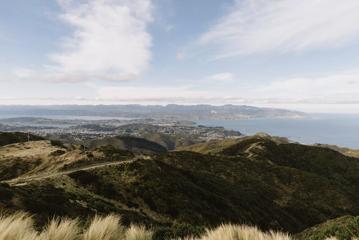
(296, 54)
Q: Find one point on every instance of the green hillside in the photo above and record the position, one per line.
(134, 144)
(343, 228)
(255, 180)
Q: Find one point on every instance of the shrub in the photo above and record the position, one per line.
(57, 143)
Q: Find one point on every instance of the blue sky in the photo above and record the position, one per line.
(296, 54)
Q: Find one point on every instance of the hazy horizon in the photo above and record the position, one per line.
(325, 109)
(297, 55)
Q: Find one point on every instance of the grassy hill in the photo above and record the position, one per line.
(175, 136)
(342, 228)
(257, 180)
(134, 144)
(219, 146)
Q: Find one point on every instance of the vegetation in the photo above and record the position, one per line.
(134, 144)
(343, 150)
(20, 226)
(258, 181)
(175, 136)
(342, 228)
(11, 137)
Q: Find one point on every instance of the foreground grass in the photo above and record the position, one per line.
(20, 226)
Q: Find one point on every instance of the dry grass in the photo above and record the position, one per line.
(242, 232)
(138, 233)
(61, 230)
(20, 227)
(334, 238)
(17, 227)
(107, 228)
(235, 232)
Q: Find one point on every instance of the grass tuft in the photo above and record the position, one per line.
(20, 226)
(138, 233)
(61, 230)
(17, 227)
(235, 232)
(105, 228)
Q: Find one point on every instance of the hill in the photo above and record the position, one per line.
(11, 137)
(257, 180)
(30, 159)
(342, 228)
(346, 151)
(174, 136)
(221, 146)
(133, 144)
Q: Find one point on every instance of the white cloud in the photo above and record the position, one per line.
(110, 41)
(336, 92)
(256, 26)
(339, 88)
(23, 72)
(222, 77)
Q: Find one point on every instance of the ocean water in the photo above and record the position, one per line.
(341, 130)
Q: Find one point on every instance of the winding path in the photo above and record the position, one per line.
(22, 181)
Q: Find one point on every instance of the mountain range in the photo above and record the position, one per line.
(172, 111)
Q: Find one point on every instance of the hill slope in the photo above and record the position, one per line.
(343, 228)
(134, 144)
(255, 180)
(174, 136)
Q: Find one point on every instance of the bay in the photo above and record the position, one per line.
(341, 130)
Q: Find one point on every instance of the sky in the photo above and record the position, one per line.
(294, 54)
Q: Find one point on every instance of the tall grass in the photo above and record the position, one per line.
(20, 226)
(235, 232)
(138, 233)
(61, 230)
(106, 228)
(17, 227)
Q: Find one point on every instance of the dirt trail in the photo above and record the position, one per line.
(22, 181)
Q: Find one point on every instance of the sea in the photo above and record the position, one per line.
(335, 129)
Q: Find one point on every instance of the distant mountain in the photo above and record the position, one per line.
(172, 111)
